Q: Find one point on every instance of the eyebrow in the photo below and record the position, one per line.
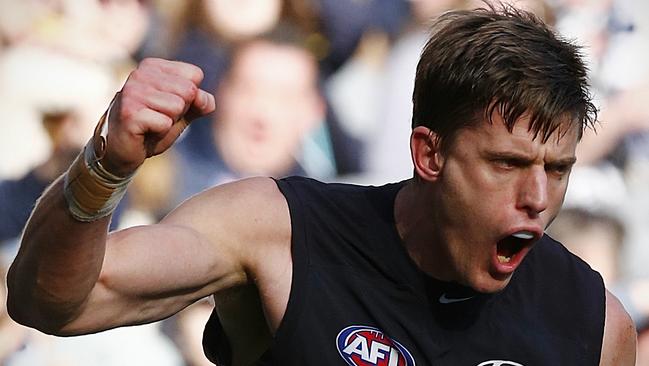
(566, 161)
(495, 155)
(521, 157)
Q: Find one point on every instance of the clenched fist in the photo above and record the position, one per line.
(155, 105)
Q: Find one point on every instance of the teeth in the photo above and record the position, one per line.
(526, 235)
(503, 259)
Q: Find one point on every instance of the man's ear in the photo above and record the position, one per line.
(426, 153)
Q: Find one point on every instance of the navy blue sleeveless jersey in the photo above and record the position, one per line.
(358, 299)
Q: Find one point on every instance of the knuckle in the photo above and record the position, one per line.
(195, 73)
(177, 105)
(126, 110)
(165, 122)
(130, 92)
(188, 92)
(149, 62)
(138, 75)
(198, 73)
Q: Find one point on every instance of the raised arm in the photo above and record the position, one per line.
(71, 277)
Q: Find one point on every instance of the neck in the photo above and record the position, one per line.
(417, 225)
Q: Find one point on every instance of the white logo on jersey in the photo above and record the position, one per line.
(499, 363)
(361, 345)
(372, 353)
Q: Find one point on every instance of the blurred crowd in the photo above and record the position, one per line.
(320, 88)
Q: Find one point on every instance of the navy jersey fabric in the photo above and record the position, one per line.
(358, 299)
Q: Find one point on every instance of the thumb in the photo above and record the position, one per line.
(203, 104)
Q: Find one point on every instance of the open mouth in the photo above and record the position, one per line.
(509, 247)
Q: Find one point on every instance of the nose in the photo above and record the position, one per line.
(533, 192)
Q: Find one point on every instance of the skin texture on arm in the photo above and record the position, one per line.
(149, 272)
(620, 337)
(58, 272)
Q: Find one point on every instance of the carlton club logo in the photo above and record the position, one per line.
(500, 363)
(367, 346)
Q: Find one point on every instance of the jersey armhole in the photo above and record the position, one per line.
(300, 260)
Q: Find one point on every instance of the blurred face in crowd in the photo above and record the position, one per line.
(493, 194)
(266, 104)
(540, 8)
(424, 10)
(125, 23)
(67, 130)
(597, 241)
(96, 29)
(240, 19)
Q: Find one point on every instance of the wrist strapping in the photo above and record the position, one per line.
(90, 190)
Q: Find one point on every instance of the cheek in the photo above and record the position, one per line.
(461, 207)
(476, 188)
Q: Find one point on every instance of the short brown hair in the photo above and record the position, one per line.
(503, 59)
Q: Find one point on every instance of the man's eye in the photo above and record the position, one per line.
(562, 169)
(506, 163)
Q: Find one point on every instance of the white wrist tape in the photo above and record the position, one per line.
(90, 190)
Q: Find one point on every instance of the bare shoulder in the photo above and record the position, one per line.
(243, 215)
(619, 343)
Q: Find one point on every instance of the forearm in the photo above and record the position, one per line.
(57, 266)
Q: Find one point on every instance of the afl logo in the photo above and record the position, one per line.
(500, 363)
(368, 346)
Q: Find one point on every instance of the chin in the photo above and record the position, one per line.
(488, 284)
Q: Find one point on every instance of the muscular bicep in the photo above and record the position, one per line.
(202, 247)
(151, 272)
(619, 342)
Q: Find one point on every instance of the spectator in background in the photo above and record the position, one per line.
(388, 156)
(595, 231)
(49, 123)
(200, 38)
(58, 51)
(597, 238)
(619, 54)
(268, 101)
(616, 33)
(207, 29)
(333, 28)
(62, 62)
(105, 31)
(336, 30)
(18, 196)
(612, 163)
(185, 329)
